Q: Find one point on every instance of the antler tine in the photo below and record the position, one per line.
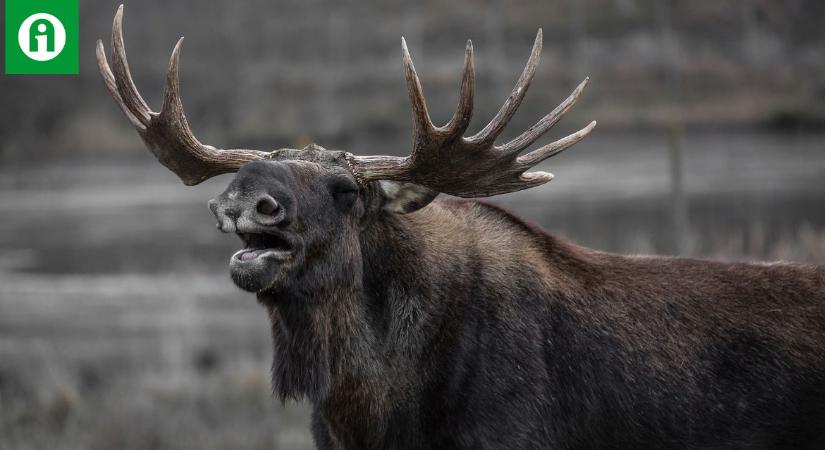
(421, 118)
(172, 105)
(554, 148)
(123, 76)
(464, 112)
(490, 132)
(111, 85)
(542, 126)
(172, 110)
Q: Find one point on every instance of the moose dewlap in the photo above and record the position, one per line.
(414, 323)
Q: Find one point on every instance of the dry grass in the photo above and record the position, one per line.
(162, 367)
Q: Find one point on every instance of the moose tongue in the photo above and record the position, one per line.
(246, 256)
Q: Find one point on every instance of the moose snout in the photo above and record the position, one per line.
(246, 215)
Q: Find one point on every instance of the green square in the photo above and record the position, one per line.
(35, 30)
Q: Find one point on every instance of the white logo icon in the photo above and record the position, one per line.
(41, 37)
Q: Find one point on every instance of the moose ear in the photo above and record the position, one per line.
(403, 197)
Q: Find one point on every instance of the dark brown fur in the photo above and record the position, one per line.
(462, 326)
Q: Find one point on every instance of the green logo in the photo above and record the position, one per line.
(42, 37)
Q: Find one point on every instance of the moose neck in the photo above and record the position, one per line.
(321, 326)
(350, 317)
(349, 339)
(330, 331)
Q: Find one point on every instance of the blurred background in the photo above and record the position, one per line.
(119, 326)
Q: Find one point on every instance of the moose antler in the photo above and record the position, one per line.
(442, 159)
(166, 133)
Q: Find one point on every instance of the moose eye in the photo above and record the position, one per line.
(344, 191)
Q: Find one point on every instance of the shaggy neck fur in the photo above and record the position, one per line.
(364, 316)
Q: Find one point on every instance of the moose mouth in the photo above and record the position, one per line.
(263, 246)
(261, 264)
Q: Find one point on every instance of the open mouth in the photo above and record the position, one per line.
(258, 246)
(264, 261)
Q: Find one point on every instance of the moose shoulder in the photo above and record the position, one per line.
(410, 322)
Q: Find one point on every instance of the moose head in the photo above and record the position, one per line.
(289, 205)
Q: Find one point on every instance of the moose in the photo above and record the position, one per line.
(414, 323)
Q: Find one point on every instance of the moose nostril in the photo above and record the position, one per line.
(268, 206)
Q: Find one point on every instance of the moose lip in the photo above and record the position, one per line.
(259, 246)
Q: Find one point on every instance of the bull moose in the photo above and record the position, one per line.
(413, 323)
